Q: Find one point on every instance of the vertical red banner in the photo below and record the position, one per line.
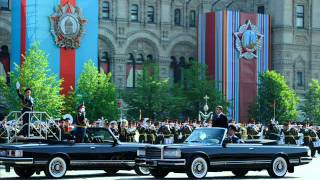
(23, 31)
(67, 62)
(247, 76)
(210, 43)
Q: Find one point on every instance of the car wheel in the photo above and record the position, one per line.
(197, 168)
(111, 171)
(157, 173)
(142, 171)
(279, 167)
(23, 172)
(56, 168)
(240, 172)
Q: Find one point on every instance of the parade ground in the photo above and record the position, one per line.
(305, 172)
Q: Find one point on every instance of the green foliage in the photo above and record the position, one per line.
(70, 103)
(312, 103)
(98, 94)
(273, 92)
(157, 99)
(195, 85)
(36, 75)
(152, 95)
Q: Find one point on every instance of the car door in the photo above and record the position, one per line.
(235, 155)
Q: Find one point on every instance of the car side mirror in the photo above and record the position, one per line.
(115, 142)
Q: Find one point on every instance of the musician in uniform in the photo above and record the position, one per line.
(309, 136)
(114, 128)
(151, 132)
(291, 134)
(131, 132)
(272, 131)
(123, 131)
(81, 124)
(186, 130)
(252, 130)
(27, 103)
(142, 131)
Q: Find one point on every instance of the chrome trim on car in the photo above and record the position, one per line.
(219, 163)
(155, 162)
(90, 162)
(12, 160)
(294, 161)
(305, 160)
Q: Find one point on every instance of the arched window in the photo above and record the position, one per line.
(140, 58)
(150, 14)
(134, 12)
(192, 18)
(177, 17)
(106, 10)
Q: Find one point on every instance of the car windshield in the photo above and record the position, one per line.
(99, 135)
(206, 136)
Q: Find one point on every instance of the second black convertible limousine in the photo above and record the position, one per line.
(102, 152)
(205, 150)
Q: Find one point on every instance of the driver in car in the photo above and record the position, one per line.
(231, 135)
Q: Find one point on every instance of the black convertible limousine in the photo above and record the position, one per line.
(103, 152)
(206, 151)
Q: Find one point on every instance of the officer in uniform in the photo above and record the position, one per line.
(27, 103)
(81, 124)
(232, 138)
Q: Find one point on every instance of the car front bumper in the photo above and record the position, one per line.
(160, 162)
(300, 161)
(15, 161)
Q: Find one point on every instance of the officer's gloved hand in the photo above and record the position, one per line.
(18, 85)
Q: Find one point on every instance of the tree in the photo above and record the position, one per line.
(98, 93)
(195, 85)
(70, 103)
(274, 94)
(152, 96)
(312, 102)
(35, 73)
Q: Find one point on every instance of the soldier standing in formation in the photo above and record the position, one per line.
(291, 134)
(142, 131)
(114, 128)
(131, 132)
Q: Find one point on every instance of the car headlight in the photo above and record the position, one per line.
(172, 153)
(141, 152)
(15, 153)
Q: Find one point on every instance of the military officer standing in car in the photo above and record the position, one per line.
(81, 124)
(27, 103)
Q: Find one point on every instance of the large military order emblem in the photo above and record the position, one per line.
(67, 26)
(248, 40)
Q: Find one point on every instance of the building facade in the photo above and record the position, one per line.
(164, 31)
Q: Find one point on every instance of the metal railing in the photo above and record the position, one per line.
(39, 125)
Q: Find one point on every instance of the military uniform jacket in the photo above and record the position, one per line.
(220, 120)
(26, 102)
(81, 120)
